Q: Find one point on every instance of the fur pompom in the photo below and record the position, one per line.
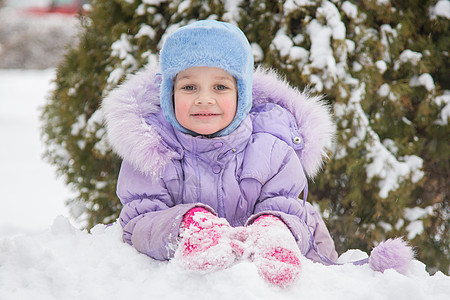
(392, 254)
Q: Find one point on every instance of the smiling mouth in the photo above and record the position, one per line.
(204, 115)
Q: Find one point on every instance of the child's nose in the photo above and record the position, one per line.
(205, 97)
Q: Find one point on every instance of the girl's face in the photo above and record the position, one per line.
(205, 99)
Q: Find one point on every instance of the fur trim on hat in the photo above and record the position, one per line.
(126, 107)
(208, 43)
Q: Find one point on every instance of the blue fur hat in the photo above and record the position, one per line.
(207, 43)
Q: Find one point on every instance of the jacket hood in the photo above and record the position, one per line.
(128, 106)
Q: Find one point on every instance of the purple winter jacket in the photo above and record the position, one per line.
(260, 168)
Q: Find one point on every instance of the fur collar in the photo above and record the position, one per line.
(134, 140)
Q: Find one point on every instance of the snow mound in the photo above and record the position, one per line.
(66, 263)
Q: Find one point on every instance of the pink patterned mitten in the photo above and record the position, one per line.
(206, 243)
(274, 250)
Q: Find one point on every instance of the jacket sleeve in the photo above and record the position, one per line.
(149, 217)
(279, 197)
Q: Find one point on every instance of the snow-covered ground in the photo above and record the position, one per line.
(43, 256)
(65, 263)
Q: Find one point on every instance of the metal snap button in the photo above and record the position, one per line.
(297, 140)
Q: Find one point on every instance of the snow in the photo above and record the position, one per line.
(323, 31)
(410, 56)
(146, 30)
(140, 11)
(28, 184)
(441, 9)
(286, 48)
(122, 49)
(184, 5)
(350, 9)
(321, 54)
(291, 5)
(282, 43)
(93, 128)
(299, 53)
(232, 10)
(443, 100)
(391, 146)
(154, 2)
(356, 66)
(331, 13)
(423, 80)
(257, 51)
(390, 170)
(384, 90)
(65, 263)
(414, 215)
(381, 65)
(388, 34)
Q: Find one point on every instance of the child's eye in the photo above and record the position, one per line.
(221, 87)
(188, 87)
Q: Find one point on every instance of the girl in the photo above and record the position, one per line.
(215, 156)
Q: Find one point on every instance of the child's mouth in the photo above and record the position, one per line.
(204, 115)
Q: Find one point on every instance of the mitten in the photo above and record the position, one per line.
(205, 241)
(274, 250)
